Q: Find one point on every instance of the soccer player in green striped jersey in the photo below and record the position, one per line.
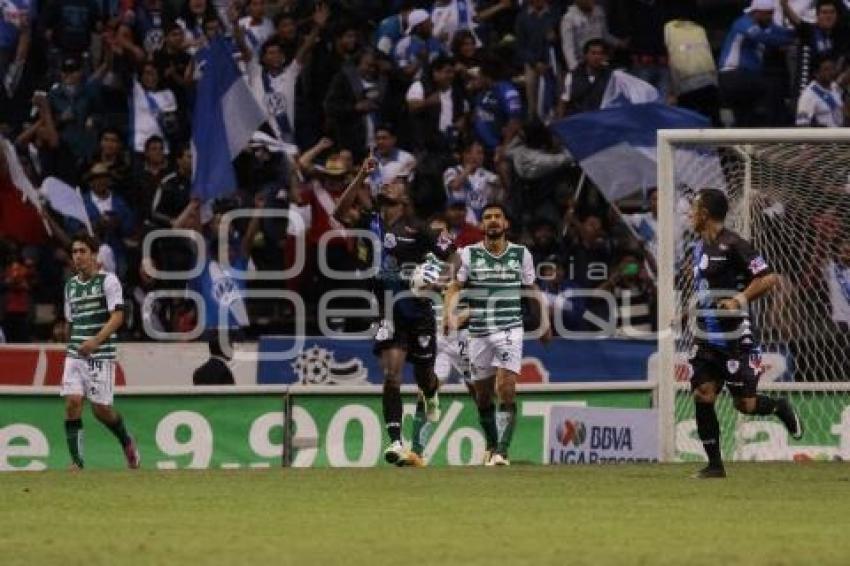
(493, 276)
(94, 310)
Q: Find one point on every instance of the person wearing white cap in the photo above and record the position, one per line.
(755, 99)
(418, 47)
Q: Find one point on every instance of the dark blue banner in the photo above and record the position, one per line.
(351, 362)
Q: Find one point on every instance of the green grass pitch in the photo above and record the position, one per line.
(774, 514)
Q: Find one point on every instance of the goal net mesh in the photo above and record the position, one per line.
(792, 201)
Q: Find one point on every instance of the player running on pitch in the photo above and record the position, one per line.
(726, 352)
(494, 274)
(94, 309)
(407, 332)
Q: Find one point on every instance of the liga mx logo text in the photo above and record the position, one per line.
(571, 432)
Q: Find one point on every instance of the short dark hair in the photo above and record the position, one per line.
(495, 204)
(441, 62)
(386, 127)
(111, 130)
(822, 3)
(87, 240)
(714, 201)
(268, 44)
(152, 140)
(595, 42)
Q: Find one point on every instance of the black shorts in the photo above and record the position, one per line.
(738, 370)
(418, 337)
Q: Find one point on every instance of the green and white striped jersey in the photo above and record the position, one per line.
(88, 305)
(493, 286)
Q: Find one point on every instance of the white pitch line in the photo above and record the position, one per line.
(230, 465)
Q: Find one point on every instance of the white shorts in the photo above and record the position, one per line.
(92, 379)
(502, 349)
(452, 354)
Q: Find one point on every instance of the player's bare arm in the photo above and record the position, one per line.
(758, 287)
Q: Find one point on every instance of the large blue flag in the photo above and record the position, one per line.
(226, 115)
(616, 147)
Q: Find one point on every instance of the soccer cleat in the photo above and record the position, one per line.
(131, 454)
(710, 472)
(432, 408)
(411, 459)
(789, 416)
(487, 455)
(498, 460)
(394, 452)
(75, 467)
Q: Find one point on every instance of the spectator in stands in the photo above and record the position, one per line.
(148, 173)
(154, 111)
(826, 38)
(472, 183)
(256, 26)
(645, 224)
(589, 252)
(635, 296)
(191, 19)
(566, 305)
(583, 21)
(645, 21)
(16, 22)
(822, 102)
(49, 154)
(754, 96)
(150, 20)
(355, 102)
(545, 243)
(174, 192)
(392, 162)
(418, 47)
(110, 152)
(175, 64)
(19, 279)
(437, 106)
(73, 103)
(536, 36)
(585, 86)
(451, 16)
(461, 231)
(108, 212)
(536, 164)
(391, 29)
(69, 25)
(693, 73)
(497, 113)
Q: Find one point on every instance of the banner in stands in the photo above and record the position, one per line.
(579, 435)
(324, 361)
(246, 431)
(142, 364)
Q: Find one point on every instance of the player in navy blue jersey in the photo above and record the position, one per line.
(728, 275)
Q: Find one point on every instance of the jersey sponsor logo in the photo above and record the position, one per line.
(757, 265)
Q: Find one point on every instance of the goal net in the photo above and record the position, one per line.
(789, 194)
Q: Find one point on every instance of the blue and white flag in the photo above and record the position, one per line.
(66, 200)
(226, 116)
(616, 147)
(624, 89)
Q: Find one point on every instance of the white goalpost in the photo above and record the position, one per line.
(789, 194)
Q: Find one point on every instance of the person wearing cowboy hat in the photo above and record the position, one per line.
(419, 47)
(755, 97)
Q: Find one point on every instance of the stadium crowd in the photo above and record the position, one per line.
(455, 96)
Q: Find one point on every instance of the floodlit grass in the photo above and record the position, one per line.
(762, 514)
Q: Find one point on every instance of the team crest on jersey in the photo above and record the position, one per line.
(424, 340)
(703, 262)
(732, 366)
(95, 290)
(513, 264)
(757, 265)
(389, 240)
(480, 262)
